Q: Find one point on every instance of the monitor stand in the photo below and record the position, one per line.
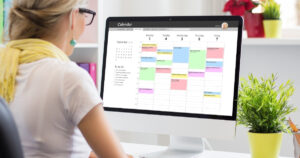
(180, 147)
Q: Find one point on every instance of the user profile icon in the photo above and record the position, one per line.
(224, 25)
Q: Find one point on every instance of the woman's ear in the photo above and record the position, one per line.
(72, 19)
(73, 16)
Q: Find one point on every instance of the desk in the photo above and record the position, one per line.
(136, 149)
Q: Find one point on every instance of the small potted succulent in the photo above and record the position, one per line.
(272, 22)
(263, 108)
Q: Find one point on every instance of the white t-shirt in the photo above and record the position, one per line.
(51, 98)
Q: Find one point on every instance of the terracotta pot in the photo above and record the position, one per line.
(254, 24)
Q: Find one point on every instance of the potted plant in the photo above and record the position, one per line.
(253, 21)
(272, 22)
(263, 107)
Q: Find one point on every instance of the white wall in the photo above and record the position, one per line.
(162, 7)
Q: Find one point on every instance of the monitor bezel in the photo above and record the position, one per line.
(178, 18)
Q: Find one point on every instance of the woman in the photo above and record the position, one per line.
(54, 102)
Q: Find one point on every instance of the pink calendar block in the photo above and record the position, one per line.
(163, 70)
(196, 74)
(145, 90)
(177, 84)
(217, 53)
(149, 49)
(214, 69)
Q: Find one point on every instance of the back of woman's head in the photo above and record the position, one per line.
(37, 18)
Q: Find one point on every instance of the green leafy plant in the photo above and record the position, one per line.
(271, 10)
(262, 106)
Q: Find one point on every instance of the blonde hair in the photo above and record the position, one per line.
(36, 18)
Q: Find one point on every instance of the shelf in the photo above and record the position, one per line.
(271, 42)
(87, 45)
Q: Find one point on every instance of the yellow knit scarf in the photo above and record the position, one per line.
(20, 52)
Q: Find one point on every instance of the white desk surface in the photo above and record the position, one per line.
(137, 149)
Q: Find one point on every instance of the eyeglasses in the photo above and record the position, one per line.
(89, 15)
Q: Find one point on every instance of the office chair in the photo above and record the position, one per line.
(10, 144)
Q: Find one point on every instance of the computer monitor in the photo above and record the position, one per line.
(172, 75)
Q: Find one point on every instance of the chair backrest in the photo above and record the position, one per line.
(10, 144)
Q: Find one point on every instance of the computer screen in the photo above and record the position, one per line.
(171, 66)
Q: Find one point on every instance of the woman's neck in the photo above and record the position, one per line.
(62, 43)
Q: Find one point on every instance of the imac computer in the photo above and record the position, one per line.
(173, 75)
